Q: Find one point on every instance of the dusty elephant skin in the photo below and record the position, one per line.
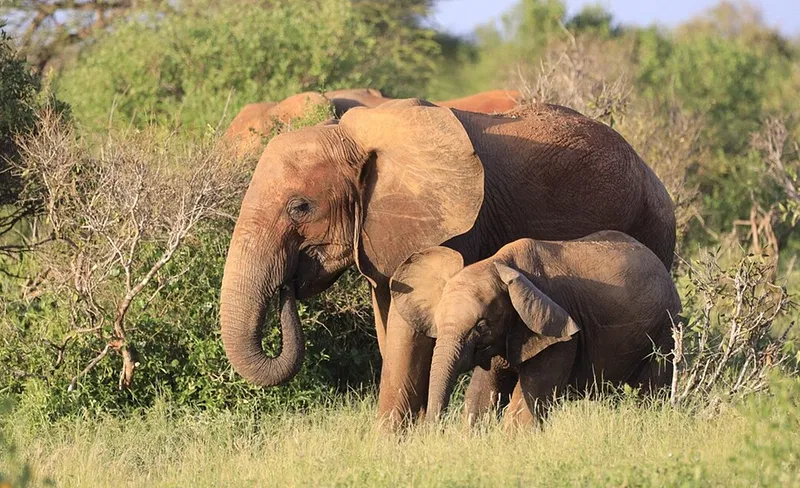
(389, 181)
(488, 102)
(558, 313)
(256, 120)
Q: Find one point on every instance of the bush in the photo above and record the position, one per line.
(19, 88)
(737, 331)
(130, 283)
(21, 94)
(197, 67)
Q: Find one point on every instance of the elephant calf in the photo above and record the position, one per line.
(560, 313)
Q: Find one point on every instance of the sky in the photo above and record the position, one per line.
(461, 16)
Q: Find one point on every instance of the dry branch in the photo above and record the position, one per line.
(118, 214)
(732, 343)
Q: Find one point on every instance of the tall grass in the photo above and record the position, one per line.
(617, 441)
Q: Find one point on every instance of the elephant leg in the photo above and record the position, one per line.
(544, 377)
(381, 298)
(517, 414)
(489, 391)
(407, 356)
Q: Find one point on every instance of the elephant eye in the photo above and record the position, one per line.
(298, 208)
(482, 327)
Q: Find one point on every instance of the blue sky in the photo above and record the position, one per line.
(461, 16)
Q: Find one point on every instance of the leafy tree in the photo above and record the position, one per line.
(196, 68)
(21, 93)
(538, 20)
(595, 19)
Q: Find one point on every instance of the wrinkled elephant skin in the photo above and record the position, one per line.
(558, 314)
(389, 181)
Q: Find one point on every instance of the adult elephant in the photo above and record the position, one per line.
(344, 100)
(386, 182)
(256, 120)
(488, 102)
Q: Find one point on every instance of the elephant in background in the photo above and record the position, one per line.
(344, 100)
(256, 120)
(557, 313)
(488, 102)
(389, 181)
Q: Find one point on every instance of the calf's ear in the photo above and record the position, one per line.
(545, 322)
(417, 285)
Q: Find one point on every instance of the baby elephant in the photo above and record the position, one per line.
(560, 313)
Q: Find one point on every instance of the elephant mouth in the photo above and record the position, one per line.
(483, 356)
(312, 278)
(308, 289)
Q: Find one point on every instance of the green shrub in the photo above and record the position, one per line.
(21, 94)
(179, 347)
(195, 68)
(116, 211)
(19, 87)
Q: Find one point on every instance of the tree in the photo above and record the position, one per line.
(184, 75)
(49, 27)
(117, 219)
(21, 93)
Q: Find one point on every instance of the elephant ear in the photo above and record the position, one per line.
(422, 182)
(417, 285)
(547, 323)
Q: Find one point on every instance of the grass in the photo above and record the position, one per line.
(612, 442)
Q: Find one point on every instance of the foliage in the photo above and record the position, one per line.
(21, 94)
(704, 104)
(130, 283)
(49, 30)
(18, 91)
(781, 158)
(198, 67)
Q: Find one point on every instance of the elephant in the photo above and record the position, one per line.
(256, 120)
(495, 101)
(554, 313)
(344, 100)
(389, 181)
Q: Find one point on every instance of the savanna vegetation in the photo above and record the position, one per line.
(117, 201)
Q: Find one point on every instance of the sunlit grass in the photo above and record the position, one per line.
(613, 442)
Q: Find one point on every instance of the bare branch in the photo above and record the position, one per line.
(89, 367)
(119, 216)
(730, 347)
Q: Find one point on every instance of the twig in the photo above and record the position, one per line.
(89, 367)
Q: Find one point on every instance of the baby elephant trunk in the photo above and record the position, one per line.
(444, 371)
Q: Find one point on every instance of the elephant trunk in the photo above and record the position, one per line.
(444, 371)
(247, 286)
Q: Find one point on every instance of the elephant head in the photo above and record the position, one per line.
(475, 313)
(256, 120)
(374, 188)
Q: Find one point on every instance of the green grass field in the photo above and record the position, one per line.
(612, 442)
